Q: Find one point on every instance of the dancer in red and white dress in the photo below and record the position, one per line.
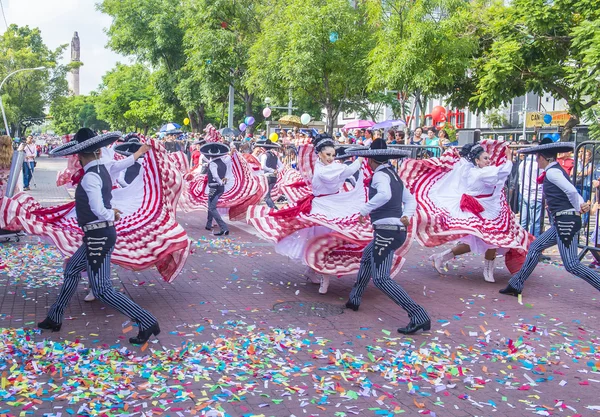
(461, 199)
(322, 229)
(149, 234)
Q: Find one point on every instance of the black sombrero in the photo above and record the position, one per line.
(341, 152)
(267, 144)
(132, 145)
(85, 141)
(379, 152)
(199, 142)
(548, 147)
(214, 149)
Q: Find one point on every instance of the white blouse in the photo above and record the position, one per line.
(484, 181)
(328, 179)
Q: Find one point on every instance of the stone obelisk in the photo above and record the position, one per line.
(75, 57)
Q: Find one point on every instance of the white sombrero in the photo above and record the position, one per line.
(85, 141)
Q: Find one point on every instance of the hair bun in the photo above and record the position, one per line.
(466, 150)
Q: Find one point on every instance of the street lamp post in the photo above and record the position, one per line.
(2, 85)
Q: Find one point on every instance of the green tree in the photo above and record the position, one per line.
(317, 48)
(422, 46)
(120, 87)
(74, 112)
(218, 38)
(25, 94)
(153, 32)
(534, 45)
(148, 113)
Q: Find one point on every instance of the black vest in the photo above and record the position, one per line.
(393, 208)
(271, 160)
(85, 215)
(221, 170)
(132, 172)
(556, 199)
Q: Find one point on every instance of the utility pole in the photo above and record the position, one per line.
(290, 102)
(231, 101)
(525, 119)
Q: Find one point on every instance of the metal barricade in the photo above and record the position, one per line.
(585, 175)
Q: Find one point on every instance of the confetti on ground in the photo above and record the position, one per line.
(228, 246)
(271, 367)
(32, 265)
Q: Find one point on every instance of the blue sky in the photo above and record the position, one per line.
(58, 20)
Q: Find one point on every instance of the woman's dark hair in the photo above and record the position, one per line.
(401, 134)
(391, 133)
(444, 132)
(471, 151)
(322, 141)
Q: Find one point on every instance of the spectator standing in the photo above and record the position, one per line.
(368, 137)
(391, 137)
(433, 141)
(531, 195)
(30, 151)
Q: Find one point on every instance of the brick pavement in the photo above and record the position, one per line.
(492, 356)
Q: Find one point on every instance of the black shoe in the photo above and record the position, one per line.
(49, 324)
(144, 335)
(413, 328)
(509, 290)
(221, 233)
(208, 227)
(352, 306)
(545, 258)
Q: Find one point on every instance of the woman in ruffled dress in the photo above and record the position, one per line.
(461, 199)
(321, 229)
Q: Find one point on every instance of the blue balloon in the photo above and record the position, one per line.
(547, 118)
(333, 37)
(547, 136)
(556, 137)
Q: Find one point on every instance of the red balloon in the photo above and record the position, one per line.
(437, 112)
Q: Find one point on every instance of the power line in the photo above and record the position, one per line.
(3, 15)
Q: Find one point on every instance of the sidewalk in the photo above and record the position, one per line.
(244, 333)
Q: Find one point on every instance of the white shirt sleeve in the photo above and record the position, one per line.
(92, 185)
(215, 173)
(115, 167)
(558, 179)
(280, 165)
(410, 203)
(381, 182)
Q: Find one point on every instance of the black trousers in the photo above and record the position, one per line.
(272, 180)
(213, 199)
(94, 256)
(564, 233)
(376, 263)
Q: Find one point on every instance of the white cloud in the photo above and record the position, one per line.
(58, 20)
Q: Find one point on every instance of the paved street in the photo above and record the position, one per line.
(244, 334)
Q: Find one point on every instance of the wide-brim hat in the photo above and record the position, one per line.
(127, 148)
(341, 152)
(85, 141)
(214, 149)
(379, 152)
(548, 146)
(267, 144)
(199, 142)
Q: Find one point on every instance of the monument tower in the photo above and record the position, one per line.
(75, 57)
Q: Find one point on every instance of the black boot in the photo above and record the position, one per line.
(413, 328)
(144, 335)
(49, 324)
(221, 233)
(208, 227)
(509, 290)
(352, 306)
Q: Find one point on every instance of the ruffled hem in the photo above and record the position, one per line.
(248, 190)
(440, 223)
(148, 237)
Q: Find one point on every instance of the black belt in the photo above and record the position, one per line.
(215, 185)
(99, 225)
(394, 227)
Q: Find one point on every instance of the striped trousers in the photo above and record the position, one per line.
(94, 256)
(376, 263)
(564, 233)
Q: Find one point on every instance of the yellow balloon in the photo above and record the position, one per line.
(186, 121)
(274, 137)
